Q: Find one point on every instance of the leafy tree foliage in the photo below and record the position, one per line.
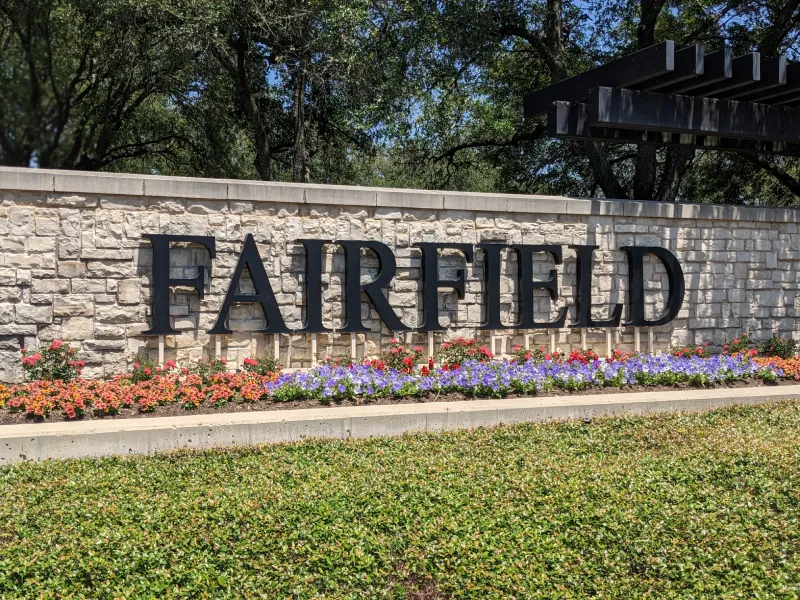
(415, 93)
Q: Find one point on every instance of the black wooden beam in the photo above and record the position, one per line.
(773, 95)
(773, 74)
(690, 63)
(570, 120)
(623, 72)
(789, 98)
(718, 67)
(745, 71)
(648, 111)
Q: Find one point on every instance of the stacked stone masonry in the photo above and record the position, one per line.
(74, 265)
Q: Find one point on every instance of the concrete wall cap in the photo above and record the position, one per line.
(20, 179)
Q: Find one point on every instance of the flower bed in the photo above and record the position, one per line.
(146, 389)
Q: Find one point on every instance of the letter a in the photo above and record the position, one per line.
(251, 259)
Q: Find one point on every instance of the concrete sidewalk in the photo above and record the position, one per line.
(161, 434)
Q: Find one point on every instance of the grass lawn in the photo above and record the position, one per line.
(676, 506)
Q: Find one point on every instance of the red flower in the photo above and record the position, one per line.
(55, 345)
(417, 349)
(424, 371)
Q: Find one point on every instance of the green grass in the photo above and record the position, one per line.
(678, 506)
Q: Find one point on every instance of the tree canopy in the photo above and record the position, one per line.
(409, 93)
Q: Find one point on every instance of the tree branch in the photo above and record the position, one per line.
(792, 184)
(522, 136)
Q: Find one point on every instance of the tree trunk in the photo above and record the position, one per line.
(644, 177)
(300, 171)
(249, 103)
(604, 174)
(675, 166)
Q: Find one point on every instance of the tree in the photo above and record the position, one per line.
(310, 79)
(513, 47)
(83, 83)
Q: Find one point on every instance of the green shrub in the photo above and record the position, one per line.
(143, 369)
(56, 362)
(262, 366)
(401, 357)
(452, 354)
(742, 343)
(207, 368)
(522, 355)
(776, 346)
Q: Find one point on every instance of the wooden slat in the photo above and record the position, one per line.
(623, 72)
(690, 64)
(773, 74)
(718, 67)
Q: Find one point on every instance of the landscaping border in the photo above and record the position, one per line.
(98, 438)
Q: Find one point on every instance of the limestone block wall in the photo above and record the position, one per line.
(73, 264)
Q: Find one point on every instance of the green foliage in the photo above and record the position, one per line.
(774, 346)
(778, 346)
(55, 362)
(206, 368)
(142, 369)
(522, 355)
(670, 506)
(372, 92)
(263, 365)
(454, 353)
(401, 357)
(739, 344)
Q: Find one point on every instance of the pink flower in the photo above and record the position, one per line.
(56, 344)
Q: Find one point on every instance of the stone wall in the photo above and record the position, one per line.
(74, 266)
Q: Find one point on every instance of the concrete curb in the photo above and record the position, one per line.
(147, 436)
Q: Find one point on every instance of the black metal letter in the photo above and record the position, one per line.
(431, 282)
(314, 285)
(636, 284)
(491, 277)
(387, 266)
(583, 273)
(527, 285)
(251, 259)
(162, 281)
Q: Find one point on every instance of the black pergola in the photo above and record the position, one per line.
(684, 98)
